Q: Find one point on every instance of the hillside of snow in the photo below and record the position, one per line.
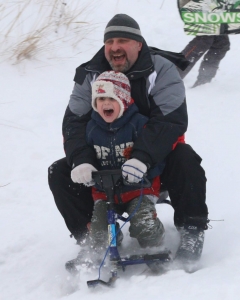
(34, 241)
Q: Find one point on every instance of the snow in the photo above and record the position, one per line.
(34, 240)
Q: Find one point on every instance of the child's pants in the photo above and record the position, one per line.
(144, 224)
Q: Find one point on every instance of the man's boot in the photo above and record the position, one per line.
(191, 243)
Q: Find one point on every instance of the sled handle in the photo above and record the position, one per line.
(145, 183)
(116, 175)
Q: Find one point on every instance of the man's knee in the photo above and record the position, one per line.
(184, 153)
(183, 162)
(57, 170)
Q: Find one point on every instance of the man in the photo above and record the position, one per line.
(160, 95)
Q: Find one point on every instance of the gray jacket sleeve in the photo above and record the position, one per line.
(80, 99)
(168, 117)
(166, 88)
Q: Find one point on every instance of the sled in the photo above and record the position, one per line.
(107, 180)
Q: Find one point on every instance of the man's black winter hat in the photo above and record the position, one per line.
(122, 25)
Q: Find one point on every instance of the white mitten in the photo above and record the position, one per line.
(133, 170)
(83, 174)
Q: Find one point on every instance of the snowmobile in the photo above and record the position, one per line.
(107, 180)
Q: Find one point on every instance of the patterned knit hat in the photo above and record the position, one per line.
(113, 85)
(122, 25)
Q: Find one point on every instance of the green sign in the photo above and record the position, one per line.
(210, 17)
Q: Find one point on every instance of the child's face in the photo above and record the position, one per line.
(108, 108)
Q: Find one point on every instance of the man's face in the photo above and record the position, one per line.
(122, 53)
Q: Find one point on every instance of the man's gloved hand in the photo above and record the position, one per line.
(83, 174)
(133, 170)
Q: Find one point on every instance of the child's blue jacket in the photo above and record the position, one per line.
(111, 139)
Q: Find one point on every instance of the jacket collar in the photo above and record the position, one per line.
(142, 67)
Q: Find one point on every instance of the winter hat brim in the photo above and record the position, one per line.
(122, 25)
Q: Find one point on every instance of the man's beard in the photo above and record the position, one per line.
(123, 68)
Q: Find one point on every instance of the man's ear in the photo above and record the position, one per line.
(139, 46)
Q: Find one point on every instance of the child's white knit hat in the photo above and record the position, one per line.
(113, 85)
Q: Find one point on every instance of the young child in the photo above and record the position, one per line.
(114, 126)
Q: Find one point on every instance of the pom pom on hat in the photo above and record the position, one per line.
(113, 85)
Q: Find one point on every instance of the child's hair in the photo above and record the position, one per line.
(114, 85)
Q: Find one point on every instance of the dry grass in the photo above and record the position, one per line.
(30, 27)
(28, 46)
(4, 184)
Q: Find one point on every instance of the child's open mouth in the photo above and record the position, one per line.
(108, 112)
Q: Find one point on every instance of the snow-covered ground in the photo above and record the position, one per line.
(34, 242)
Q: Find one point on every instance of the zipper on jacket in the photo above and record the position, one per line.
(132, 76)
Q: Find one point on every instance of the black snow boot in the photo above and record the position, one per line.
(90, 256)
(87, 258)
(191, 245)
